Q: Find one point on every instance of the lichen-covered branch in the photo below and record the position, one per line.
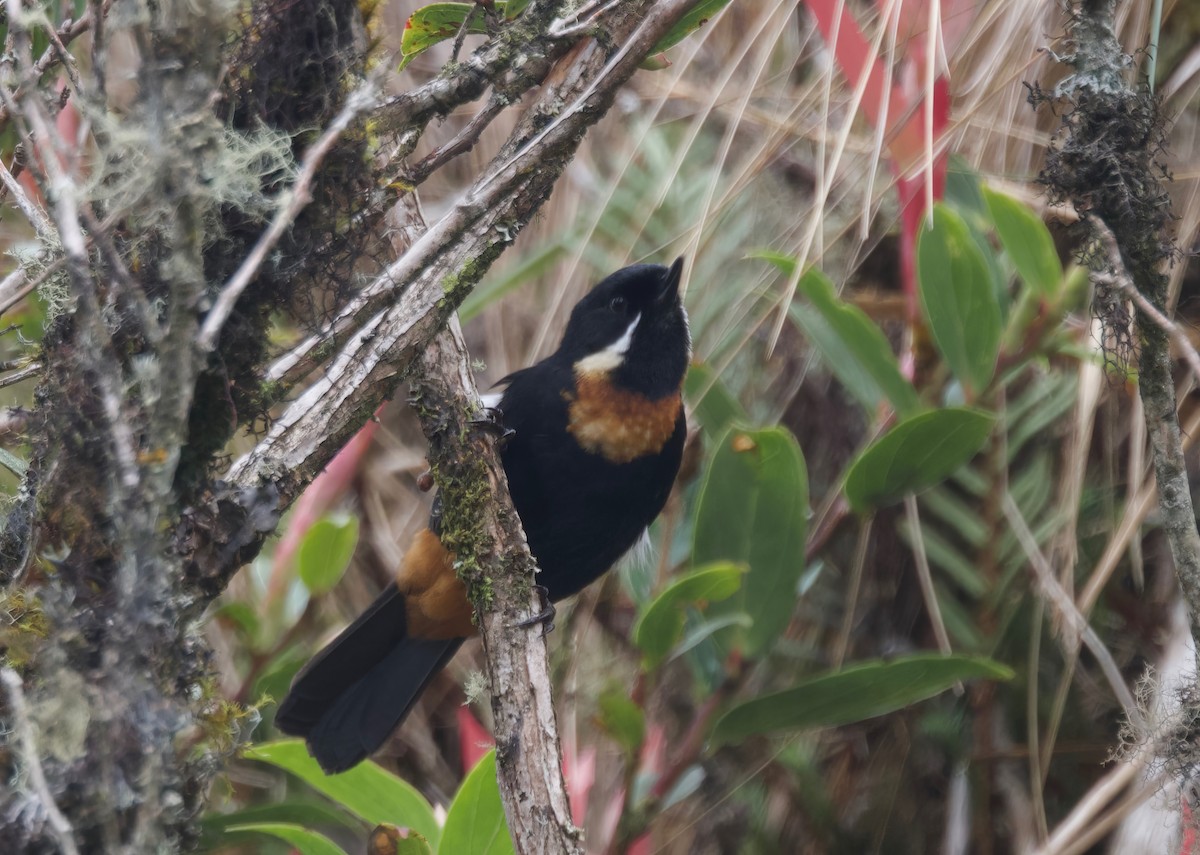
(480, 522)
(1106, 163)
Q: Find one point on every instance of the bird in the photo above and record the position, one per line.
(594, 439)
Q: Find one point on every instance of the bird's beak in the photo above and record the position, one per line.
(670, 287)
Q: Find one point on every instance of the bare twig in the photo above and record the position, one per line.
(1117, 276)
(32, 211)
(463, 142)
(294, 200)
(66, 33)
(27, 746)
(31, 370)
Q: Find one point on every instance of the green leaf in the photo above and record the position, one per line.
(326, 551)
(713, 404)
(861, 691)
(660, 624)
(689, 23)
(367, 790)
(301, 839)
(753, 509)
(853, 347)
(622, 719)
(1027, 241)
(440, 21)
(958, 299)
(475, 822)
(915, 454)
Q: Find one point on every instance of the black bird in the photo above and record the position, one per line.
(598, 431)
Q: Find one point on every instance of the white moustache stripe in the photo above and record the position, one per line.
(612, 356)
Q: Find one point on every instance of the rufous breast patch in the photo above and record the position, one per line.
(618, 424)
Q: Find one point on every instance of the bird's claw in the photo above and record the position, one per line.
(545, 617)
(492, 421)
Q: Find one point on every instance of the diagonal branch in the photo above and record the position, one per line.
(382, 335)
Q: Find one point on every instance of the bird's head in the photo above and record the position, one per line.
(633, 329)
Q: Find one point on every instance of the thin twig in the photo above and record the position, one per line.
(1117, 276)
(463, 142)
(23, 726)
(30, 370)
(295, 199)
(66, 33)
(584, 19)
(32, 211)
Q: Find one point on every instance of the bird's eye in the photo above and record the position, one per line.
(618, 305)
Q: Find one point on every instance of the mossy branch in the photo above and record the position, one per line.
(481, 527)
(1106, 163)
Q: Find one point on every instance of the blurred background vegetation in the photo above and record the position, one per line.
(747, 146)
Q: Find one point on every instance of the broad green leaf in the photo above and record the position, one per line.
(958, 299)
(326, 551)
(661, 623)
(475, 822)
(367, 790)
(852, 346)
(689, 23)
(753, 509)
(299, 838)
(1027, 242)
(915, 454)
(713, 405)
(622, 719)
(860, 691)
(440, 21)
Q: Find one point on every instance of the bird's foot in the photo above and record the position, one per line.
(492, 421)
(545, 617)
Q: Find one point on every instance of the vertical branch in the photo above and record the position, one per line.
(1106, 164)
(485, 526)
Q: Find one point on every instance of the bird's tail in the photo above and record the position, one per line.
(356, 691)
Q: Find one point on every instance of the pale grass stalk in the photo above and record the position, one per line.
(1032, 726)
(1075, 625)
(1137, 509)
(816, 219)
(925, 576)
(842, 645)
(1070, 835)
(1087, 400)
